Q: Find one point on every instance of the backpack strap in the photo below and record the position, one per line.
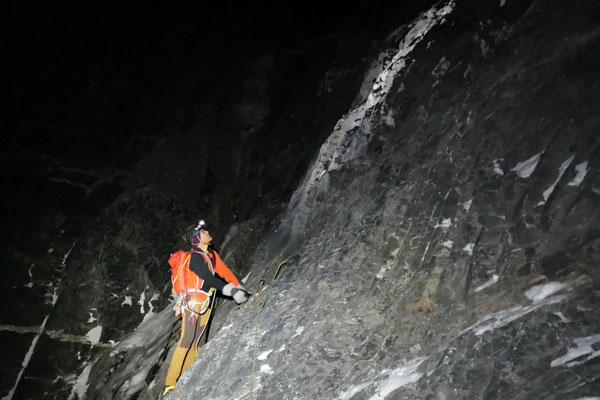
(211, 266)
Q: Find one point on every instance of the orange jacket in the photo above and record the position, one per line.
(194, 281)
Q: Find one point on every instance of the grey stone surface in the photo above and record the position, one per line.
(424, 264)
(442, 243)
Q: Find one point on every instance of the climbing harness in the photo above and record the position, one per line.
(206, 307)
(203, 304)
(211, 296)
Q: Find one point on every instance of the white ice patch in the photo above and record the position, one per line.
(352, 146)
(502, 3)
(142, 301)
(246, 278)
(445, 224)
(588, 398)
(469, 248)
(154, 297)
(282, 348)
(50, 250)
(128, 301)
(388, 266)
(497, 169)
(150, 312)
(467, 205)
(487, 284)
(91, 319)
(298, 331)
(525, 168)
(561, 171)
(266, 369)
(93, 335)
(263, 356)
(582, 171)
(54, 296)
(562, 317)
(583, 347)
(387, 381)
(540, 292)
(81, 384)
(30, 284)
(66, 256)
(504, 317)
(352, 133)
(448, 244)
(26, 360)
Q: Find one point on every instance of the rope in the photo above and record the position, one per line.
(260, 306)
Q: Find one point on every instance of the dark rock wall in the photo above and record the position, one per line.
(106, 175)
(442, 242)
(426, 260)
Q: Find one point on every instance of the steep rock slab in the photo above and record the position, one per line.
(444, 243)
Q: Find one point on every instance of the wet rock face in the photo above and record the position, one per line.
(443, 245)
(94, 269)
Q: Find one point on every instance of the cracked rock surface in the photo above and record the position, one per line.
(427, 258)
(441, 243)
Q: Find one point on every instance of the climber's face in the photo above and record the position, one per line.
(205, 237)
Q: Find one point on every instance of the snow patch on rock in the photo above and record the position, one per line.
(448, 244)
(497, 169)
(387, 381)
(540, 292)
(352, 132)
(582, 171)
(504, 317)
(142, 301)
(263, 356)
(445, 224)
(298, 331)
(266, 369)
(93, 335)
(81, 383)
(525, 168)
(469, 248)
(583, 347)
(26, 360)
(561, 171)
(467, 205)
(487, 284)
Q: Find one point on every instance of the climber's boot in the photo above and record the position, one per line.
(168, 389)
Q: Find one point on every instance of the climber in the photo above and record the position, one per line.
(200, 283)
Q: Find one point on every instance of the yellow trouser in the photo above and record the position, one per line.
(192, 326)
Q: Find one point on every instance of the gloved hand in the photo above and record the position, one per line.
(228, 289)
(237, 292)
(239, 295)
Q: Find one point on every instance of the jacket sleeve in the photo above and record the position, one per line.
(199, 266)
(224, 272)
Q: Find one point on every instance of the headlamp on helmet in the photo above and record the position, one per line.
(194, 230)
